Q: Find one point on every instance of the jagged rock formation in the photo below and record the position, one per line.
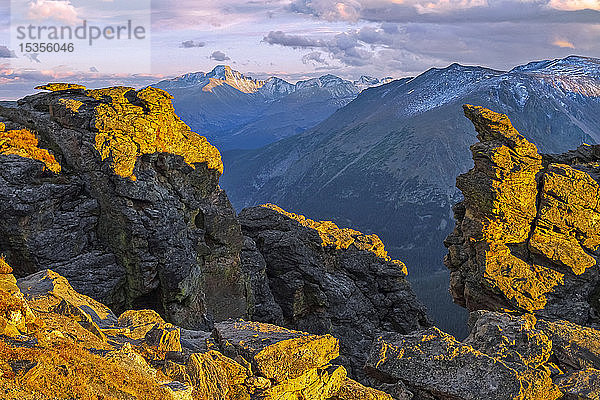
(523, 259)
(59, 354)
(324, 279)
(526, 236)
(120, 197)
(112, 191)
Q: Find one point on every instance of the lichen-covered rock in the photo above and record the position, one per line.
(115, 193)
(436, 363)
(53, 87)
(23, 143)
(276, 353)
(314, 384)
(568, 224)
(574, 346)
(60, 294)
(581, 385)
(16, 317)
(513, 339)
(328, 280)
(241, 361)
(351, 390)
(526, 236)
(216, 377)
(139, 322)
(165, 338)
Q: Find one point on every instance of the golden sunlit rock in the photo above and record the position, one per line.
(525, 229)
(340, 238)
(55, 87)
(24, 143)
(131, 124)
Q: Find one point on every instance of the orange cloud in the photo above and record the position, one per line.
(61, 10)
(563, 43)
(573, 5)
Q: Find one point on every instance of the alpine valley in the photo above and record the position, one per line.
(382, 158)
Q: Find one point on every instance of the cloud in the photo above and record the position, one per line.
(219, 56)
(5, 52)
(563, 43)
(316, 57)
(355, 47)
(440, 6)
(189, 44)
(60, 10)
(450, 11)
(573, 5)
(330, 10)
(295, 41)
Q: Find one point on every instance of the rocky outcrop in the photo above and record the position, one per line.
(110, 189)
(526, 236)
(59, 357)
(523, 259)
(327, 280)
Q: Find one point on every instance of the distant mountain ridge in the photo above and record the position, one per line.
(387, 161)
(235, 111)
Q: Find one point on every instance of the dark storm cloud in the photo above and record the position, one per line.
(219, 56)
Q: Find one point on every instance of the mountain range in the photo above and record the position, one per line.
(237, 112)
(386, 162)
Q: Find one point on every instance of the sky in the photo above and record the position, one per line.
(292, 39)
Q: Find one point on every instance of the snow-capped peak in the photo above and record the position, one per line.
(573, 74)
(220, 75)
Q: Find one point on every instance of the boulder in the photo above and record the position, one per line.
(514, 339)
(58, 292)
(274, 352)
(438, 364)
(164, 337)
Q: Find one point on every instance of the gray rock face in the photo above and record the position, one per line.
(330, 280)
(135, 217)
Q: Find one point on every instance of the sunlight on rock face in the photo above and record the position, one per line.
(133, 123)
(24, 143)
(528, 227)
(341, 238)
